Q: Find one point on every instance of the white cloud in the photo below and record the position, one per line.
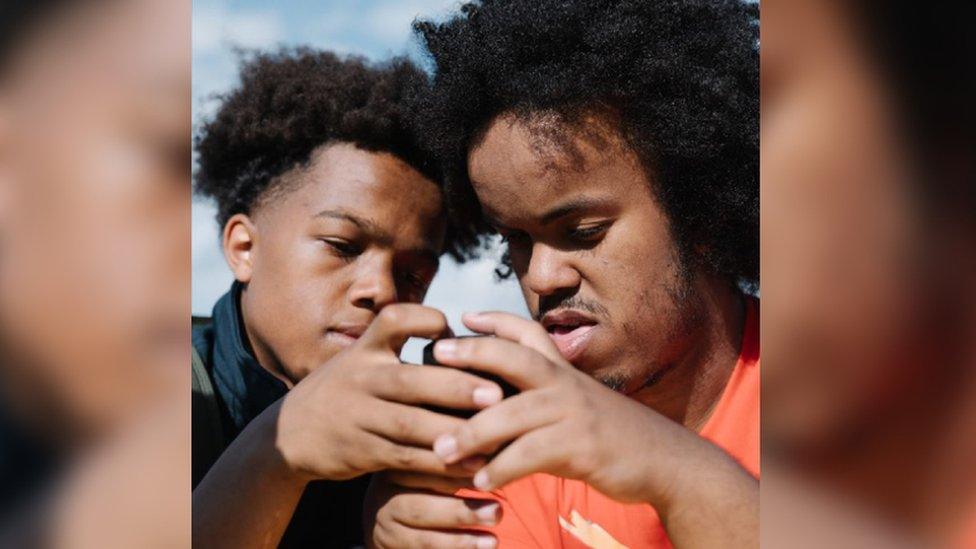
(215, 28)
(345, 27)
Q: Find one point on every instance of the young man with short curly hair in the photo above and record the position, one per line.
(332, 223)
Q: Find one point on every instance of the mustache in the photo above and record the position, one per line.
(552, 302)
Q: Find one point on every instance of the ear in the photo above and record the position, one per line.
(240, 237)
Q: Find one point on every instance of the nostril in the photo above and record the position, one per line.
(366, 303)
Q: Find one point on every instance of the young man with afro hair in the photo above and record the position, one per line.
(332, 223)
(614, 145)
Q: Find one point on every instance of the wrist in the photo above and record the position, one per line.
(274, 448)
(713, 478)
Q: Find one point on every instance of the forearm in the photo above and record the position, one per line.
(248, 497)
(717, 507)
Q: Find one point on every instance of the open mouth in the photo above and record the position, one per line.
(570, 331)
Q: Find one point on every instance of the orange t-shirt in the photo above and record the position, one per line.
(542, 510)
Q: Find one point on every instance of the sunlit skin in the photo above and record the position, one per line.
(591, 248)
(356, 231)
(335, 261)
(617, 309)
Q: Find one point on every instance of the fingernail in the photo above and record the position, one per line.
(485, 542)
(486, 396)
(473, 463)
(480, 480)
(445, 348)
(445, 447)
(487, 515)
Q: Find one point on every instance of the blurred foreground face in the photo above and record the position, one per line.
(841, 329)
(592, 251)
(94, 212)
(346, 235)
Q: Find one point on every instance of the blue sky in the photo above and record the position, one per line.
(373, 28)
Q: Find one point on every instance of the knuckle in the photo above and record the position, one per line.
(466, 436)
(403, 426)
(412, 514)
(390, 316)
(400, 379)
(438, 317)
(464, 516)
(359, 377)
(403, 458)
(467, 347)
(543, 400)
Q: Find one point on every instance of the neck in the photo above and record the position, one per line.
(265, 357)
(691, 388)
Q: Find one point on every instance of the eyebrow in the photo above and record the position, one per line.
(373, 230)
(365, 224)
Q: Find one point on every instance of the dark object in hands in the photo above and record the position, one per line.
(507, 388)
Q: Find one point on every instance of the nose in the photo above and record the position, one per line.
(374, 286)
(550, 271)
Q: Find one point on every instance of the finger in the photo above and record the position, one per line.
(408, 425)
(385, 454)
(426, 510)
(419, 481)
(521, 366)
(540, 451)
(497, 425)
(436, 386)
(397, 323)
(393, 534)
(514, 328)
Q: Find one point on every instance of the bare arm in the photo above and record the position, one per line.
(249, 495)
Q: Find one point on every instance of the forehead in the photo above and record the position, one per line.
(373, 185)
(519, 170)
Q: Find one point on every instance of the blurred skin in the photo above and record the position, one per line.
(94, 196)
(600, 272)
(322, 260)
(834, 173)
(94, 276)
(865, 386)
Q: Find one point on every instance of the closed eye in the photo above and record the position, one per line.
(342, 248)
(513, 236)
(588, 233)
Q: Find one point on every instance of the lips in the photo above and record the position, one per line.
(347, 334)
(570, 330)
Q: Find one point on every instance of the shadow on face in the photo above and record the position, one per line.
(590, 245)
(94, 212)
(326, 247)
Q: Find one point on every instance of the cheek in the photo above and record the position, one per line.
(632, 262)
(298, 283)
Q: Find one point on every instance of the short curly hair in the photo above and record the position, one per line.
(291, 101)
(680, 79)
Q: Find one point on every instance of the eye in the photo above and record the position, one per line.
(342, 248)
(514, 237)
(415, 280)
(588, 233)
